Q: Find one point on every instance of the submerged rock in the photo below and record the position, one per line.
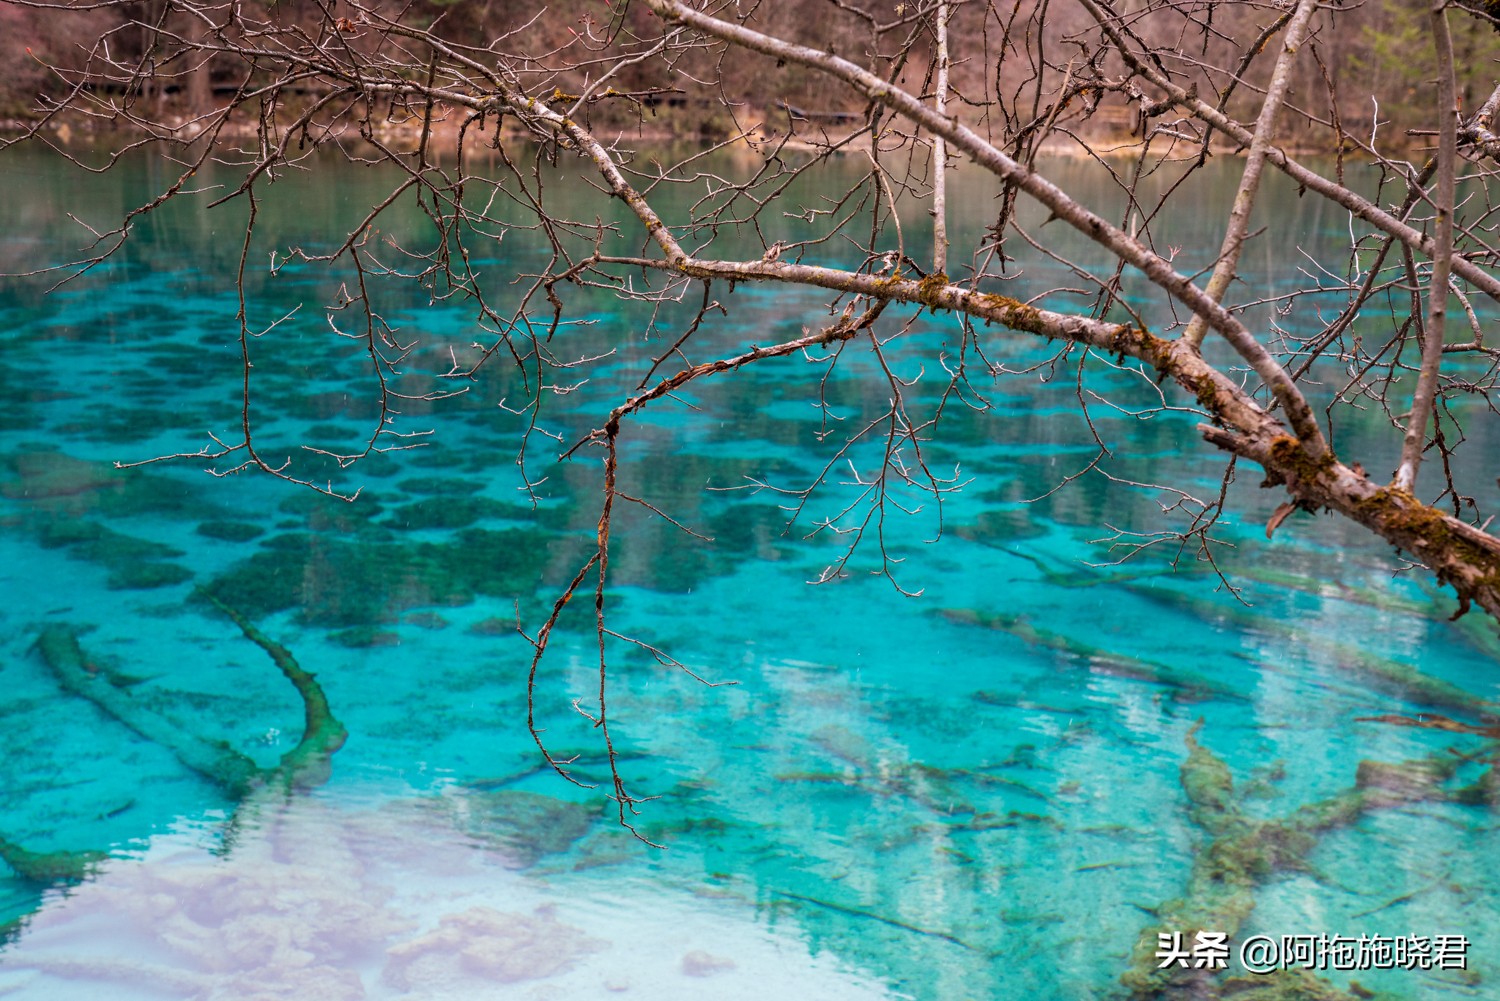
(1209, 786)
(365, 637)
(703, 964)
(446, 486)
(134, 563)
(1285, 985)
(55, 482)
(339, 584)
(479, 947)
(145, 576)
(449, 511)
(230, 531)
(323, 513)
(43, 474)
(284, 913)
(525, 826)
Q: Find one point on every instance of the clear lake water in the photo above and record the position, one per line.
(977, 792)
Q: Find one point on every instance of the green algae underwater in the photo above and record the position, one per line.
(263, 742)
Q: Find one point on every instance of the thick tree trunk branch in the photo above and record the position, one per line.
(1457, 553)
(1479, 132)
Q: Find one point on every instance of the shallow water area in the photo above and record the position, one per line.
(381, 899)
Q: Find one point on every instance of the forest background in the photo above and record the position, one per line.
(711, 95)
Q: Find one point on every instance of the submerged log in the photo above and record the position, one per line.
(1240, 853)
(232, 771)
(235, 773)
(1184, 685)
(322, 733)
(227, 768)
(881, 918)
(1373, 673)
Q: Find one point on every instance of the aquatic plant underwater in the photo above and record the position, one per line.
(268, 743)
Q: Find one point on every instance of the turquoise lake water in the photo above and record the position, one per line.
(978, 792)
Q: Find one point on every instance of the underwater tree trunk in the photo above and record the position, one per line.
(305, 764)
(322, 733)
(1239, 853)
(80, 675)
